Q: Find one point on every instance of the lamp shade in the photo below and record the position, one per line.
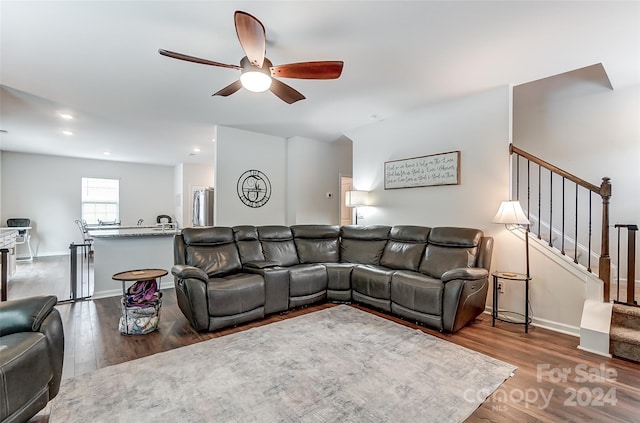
(510, 213)
(356, 198)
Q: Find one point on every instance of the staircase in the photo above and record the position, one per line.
(571, 217)
(624, 336)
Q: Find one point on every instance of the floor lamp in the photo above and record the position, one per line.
(355, 198)
(511, 214)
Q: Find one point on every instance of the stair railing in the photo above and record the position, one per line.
(604, 191)
(631, 264)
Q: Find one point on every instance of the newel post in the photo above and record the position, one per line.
(604, 268)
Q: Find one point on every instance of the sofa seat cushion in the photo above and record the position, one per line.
(26, 371)
(235, 294)
(417, 292)
(372, 281)
(306, 279)
(339, 276)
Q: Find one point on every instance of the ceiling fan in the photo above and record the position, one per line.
(257, 72)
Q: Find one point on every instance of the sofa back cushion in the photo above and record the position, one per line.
(405, 247)
(317, 243)
(248, 243)
(363, 244)
(277, 245)
(450, 248)
(212, 249)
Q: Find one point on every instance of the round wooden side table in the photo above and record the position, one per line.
(134, 276)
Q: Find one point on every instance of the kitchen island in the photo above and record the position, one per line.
(118, 249)
(7, 242)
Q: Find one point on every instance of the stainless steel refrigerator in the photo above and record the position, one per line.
(203, 207)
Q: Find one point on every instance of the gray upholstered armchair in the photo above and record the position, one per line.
(31, 355)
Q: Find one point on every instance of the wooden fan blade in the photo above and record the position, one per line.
(229, 89)
(309, 70)
(181, 56)
(285, 92)
(252, 37)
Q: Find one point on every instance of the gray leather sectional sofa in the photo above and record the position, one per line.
(227, 276)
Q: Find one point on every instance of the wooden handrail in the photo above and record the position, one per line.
(604, 191)
(555, 169)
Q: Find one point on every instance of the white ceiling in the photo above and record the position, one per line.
(99, 61)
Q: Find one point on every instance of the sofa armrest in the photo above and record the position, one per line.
(25, 315)
(263, 264)
(183, 271)
(464, 273)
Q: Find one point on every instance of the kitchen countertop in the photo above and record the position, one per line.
(128, 232)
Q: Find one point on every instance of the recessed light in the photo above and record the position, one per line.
(66, 116)
(107, 153)
(196, 150)
(213, 140)
(67, 132)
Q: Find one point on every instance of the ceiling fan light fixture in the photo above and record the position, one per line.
(255, 81)
(257, 72)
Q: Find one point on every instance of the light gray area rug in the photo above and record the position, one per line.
(339, 364)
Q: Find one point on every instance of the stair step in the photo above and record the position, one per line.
(624, 334)
(627, 309)
(625, 342)
(633, 312)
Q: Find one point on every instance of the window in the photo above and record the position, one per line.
(100, 200)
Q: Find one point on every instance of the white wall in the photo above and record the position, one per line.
(476, 125)
(236, 152)
(179, 199)
(47, 189)
(591, 132)
(2, 219)
(314, 171)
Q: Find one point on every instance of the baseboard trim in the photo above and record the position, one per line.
(589, 350)
(167, 284)
(549, 324)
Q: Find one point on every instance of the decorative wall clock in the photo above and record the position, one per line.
(254, 188)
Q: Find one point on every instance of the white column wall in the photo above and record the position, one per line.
(236, 152)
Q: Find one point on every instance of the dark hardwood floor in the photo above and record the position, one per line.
(555, 381)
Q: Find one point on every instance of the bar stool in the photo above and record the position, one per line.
(86, 238)
(23, 225)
